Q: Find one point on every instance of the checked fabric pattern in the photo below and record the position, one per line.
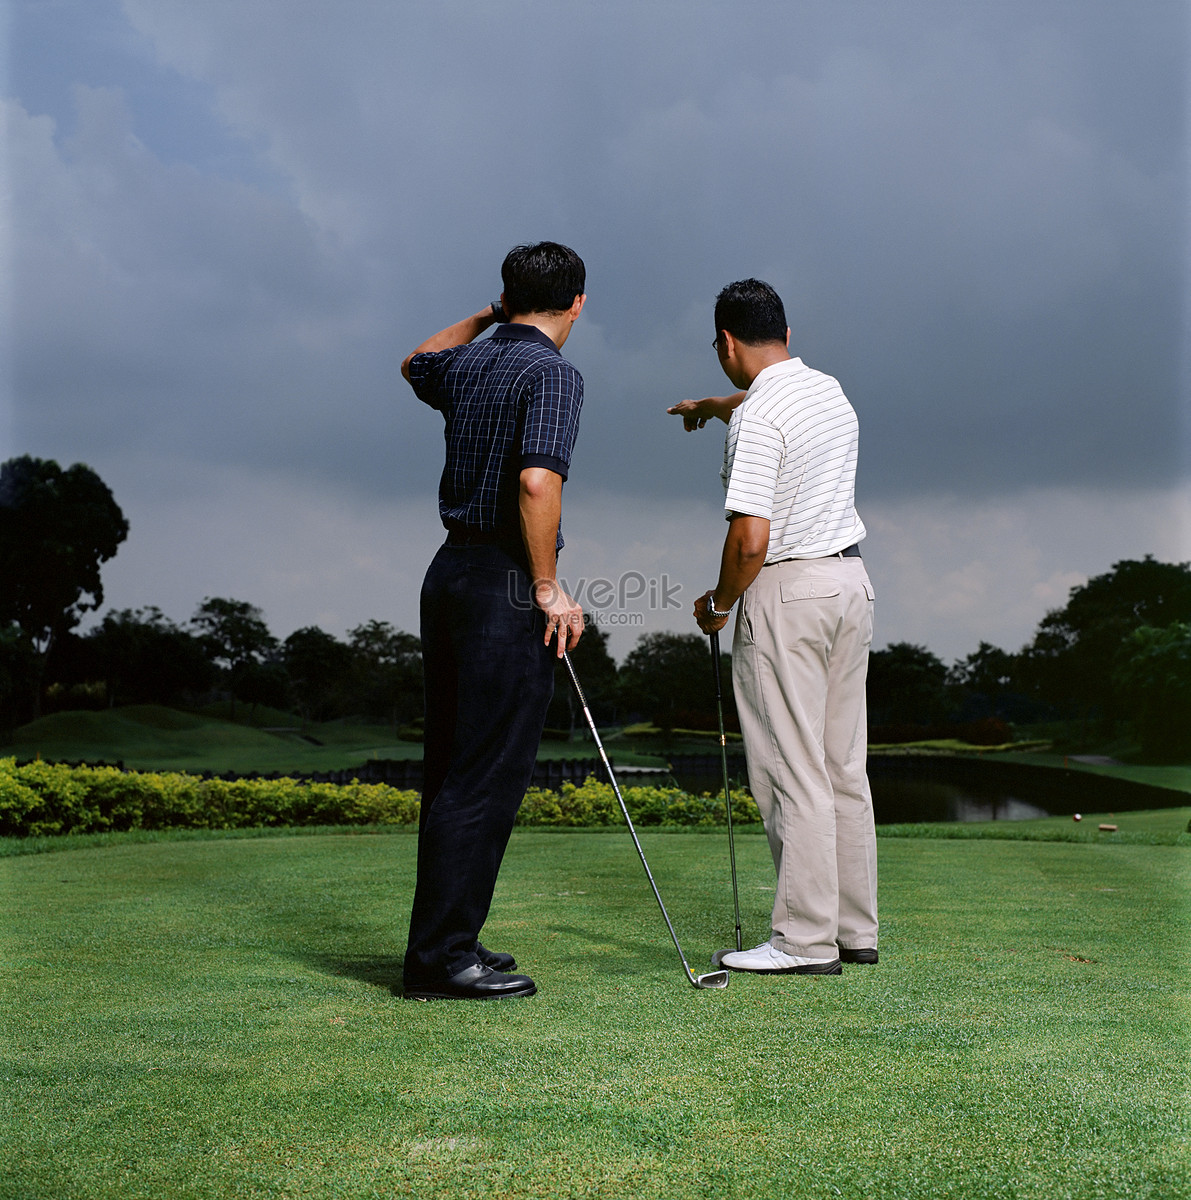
(510, 401)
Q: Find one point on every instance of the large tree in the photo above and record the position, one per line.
(319, 666)
(667, 678)
(1153, 675)
(144, 658)
(56, 530)
(18, 676)
(1076, 648)
(237, 641)
(907, 685)
(988, 683)
(387, 672)
(596, 669)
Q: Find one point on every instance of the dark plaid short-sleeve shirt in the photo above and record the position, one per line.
(510, 401)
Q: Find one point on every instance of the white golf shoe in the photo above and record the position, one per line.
(767, 959)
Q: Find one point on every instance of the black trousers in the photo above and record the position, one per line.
(489, 680)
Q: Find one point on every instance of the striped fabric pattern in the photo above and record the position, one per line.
(790, 456)
(510, 401)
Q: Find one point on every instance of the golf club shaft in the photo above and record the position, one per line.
(566, 658)
(719, 708)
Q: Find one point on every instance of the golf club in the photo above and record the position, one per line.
(719, 708)
(713, 979)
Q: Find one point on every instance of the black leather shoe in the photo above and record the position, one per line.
(867, 956)
(495, 959)
(476, 982)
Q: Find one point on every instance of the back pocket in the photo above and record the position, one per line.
(808, 589)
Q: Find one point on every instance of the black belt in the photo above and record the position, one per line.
(852, 551)
(481, 537)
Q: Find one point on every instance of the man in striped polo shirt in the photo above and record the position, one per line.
(803, 632)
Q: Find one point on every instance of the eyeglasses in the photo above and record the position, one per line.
(715, 343)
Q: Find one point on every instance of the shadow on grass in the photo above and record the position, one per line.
(379, 970)
(569, 945)
(614, 955)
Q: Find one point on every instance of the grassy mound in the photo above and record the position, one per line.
(154, 716)
(138, 731)
(148, 737)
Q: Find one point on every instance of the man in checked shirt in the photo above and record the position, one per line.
(491, 605)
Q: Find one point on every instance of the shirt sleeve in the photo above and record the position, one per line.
(426, 374)
(757, 460)
(552, 418)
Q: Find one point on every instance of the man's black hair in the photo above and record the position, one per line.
(751, 311)
(542, 278)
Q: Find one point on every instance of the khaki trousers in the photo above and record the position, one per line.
(799, 661)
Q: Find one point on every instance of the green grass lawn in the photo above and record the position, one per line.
(1156, 827)
(150, 738)
(216, 1018)
(147, 737)
(1174, 776)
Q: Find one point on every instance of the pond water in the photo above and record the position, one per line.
(906, 788)
(910, 789)
(898, 801)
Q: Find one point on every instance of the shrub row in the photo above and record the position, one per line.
(40, 799)
(594, 803)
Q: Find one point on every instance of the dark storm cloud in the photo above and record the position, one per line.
(231, 220)
(976, 233)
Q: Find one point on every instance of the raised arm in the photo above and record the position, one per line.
(696, 413)
(458, 334)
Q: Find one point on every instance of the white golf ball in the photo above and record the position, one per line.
(1077, 817)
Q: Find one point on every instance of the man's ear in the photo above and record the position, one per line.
(577, 307)
(787, 337)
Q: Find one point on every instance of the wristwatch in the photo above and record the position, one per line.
(714, 612)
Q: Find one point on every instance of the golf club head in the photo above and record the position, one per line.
(713, 979)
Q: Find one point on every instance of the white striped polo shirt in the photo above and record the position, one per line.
(790, 456)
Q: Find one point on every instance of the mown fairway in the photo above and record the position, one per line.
(214, 1018)
(147, 737)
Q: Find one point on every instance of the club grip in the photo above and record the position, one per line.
(715, 665)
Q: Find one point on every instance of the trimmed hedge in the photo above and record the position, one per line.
(41, 799)
(594, 803)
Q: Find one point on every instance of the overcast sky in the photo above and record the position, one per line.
(229, 221)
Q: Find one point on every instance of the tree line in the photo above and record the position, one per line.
(1116, 658)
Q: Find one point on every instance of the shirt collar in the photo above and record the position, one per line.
(524, 333)
(793, 363)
